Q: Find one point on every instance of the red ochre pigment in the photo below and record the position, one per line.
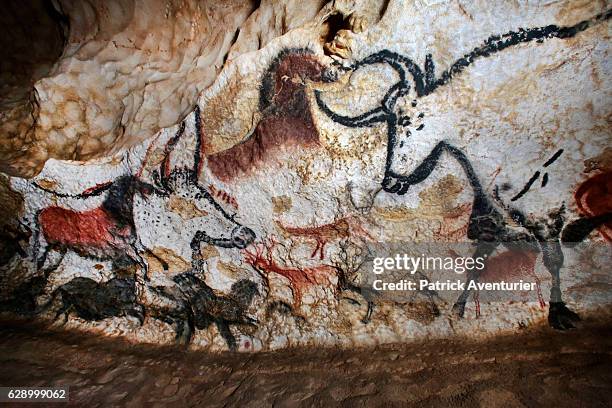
(299, 279)
(286, 122)
(594, 197)
(510, 266)
(93, 228)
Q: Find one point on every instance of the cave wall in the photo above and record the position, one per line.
(361, 130)
(97, 76)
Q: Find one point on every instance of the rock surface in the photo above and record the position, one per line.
(347, 132)
(118, 71)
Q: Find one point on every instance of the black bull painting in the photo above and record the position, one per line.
(108, 232)
(487, 227)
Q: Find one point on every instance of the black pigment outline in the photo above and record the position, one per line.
(486, 225)
(533, 178)
(119, 204)
(527, 186)
(553, 158)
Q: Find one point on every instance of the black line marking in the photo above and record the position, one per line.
(553, 158)
(92, 193)
(545, 180)
(527, 186)
(578, 230)
(197, 162)
(424, 79)
(497, 43)
(486, 225)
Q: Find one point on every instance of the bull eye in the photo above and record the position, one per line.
(239, 242)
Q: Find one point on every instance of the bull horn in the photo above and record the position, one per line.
(165, 164)
(368, 119)
(403, 66)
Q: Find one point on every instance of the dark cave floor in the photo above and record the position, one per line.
(538, 367)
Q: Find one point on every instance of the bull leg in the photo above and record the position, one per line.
(185, 328)
(180, 332)
(227, 335)
(370, 308)
(135, 256)
(138, 312)
(316, 249)
(322, 250)
(64, 310)
(559, 316)
(483, 250)
(47, 271)
(370, 303)
(183, 333)
(368, 316)
(40, 262)
(190, 329)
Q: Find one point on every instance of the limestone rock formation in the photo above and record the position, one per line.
(89, 78)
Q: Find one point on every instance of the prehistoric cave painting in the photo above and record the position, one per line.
(322, 234)
(95, 301)
(511, 266)
(189, 304)
(261, 257)
(437, 203)
(486, 225)
(108, 232)
(594, 201)
(425, 82)
(286, 117)
(103, 233)
(192, 304)
(223, 195)
(536, 176)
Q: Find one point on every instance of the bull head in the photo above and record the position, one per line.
(178, 176)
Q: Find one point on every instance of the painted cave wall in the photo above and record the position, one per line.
(245, 206)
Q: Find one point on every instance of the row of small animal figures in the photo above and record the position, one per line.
(188, 305)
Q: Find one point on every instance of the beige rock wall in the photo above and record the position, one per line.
(340, 134)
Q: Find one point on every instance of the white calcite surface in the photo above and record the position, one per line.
(278, 191)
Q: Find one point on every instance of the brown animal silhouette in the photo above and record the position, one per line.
(322, 234)
(299, 278)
